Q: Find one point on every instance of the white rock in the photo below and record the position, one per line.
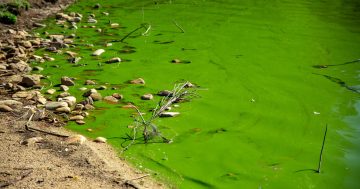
(100, 140)
(71, 100)
(98, 52)
(51, 91)
(114, 60)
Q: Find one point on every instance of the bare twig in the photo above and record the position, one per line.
(177, 25)
(321, 152)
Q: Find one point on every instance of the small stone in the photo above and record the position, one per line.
(98, 52)
(100, 140)
(30, 80)
(111, 99)
(147, 97)
(89, 107)
(85, 114)
(79, 107)
(102, 87)
(55, 105)
(51, 91)
(90, 82)
(67, 81)
(176, 61)
(114, 60)
(64, 88)
(5, 108)
(118, 96)
(80, 122)
(77, 117)
(38, 68)
(75, 139)
(176, 105)
(63, 110)
(169, 114)
(64, 94)
(99, 30)
(138, 81)
(89, 130)
(32, 140)
(41, 100)
(97, 6)
(114, 25)
(92, 21)
(27, 44)
(71, 100)
(11, 103)
(96, 96)
(105, 13)
(165, 93)
(128, 106)
(108, 44)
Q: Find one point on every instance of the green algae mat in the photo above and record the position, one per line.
(273, 74)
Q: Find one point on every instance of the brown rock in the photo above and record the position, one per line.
(80, 122)
(77, 117)
(30, 80)
(100, 140)
(51, 91)
(110, 99)
(165, 93)
(89, 107)
(118, 96)
(75, 139)
(67, 81)
(64, 88)
(147, 97)
(64, 94)
(5, 108)
(63, 110)
(90, 82)
(96, 96)
(114, 60)
(32, 140)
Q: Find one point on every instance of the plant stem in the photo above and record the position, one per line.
(321, 152)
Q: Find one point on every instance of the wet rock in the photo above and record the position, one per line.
(55, 105)
(5, 108)
(98, 52)
(77, 117)
(30, 80)
(90, 82)
(63, 110)
(32, 140)
(138, 81)
(100, 140)
(169, 114)
(80, 122)
(50, 91)
(75, 139)
(110, 99)
(70, 100)
(67, 81)
(64, 94)
(147, 97)
(118, 96)
(64, 88)
(96, 96)
(114, 60)
(165, 93)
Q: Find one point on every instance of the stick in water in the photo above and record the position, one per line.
(321, 152)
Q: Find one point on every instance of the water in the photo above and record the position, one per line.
(261, 117)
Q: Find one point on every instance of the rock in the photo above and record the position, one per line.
(67, 81)
(20, 66)
(64, 88)
(5, 108)
(92, 21)
(40, 99)
(77, 117)
(64, 94)
(79, 107)
(165, 93)
(97, 6)
(114, 25)
(114, 60)
(55, 105)
(85, 114)
(37, 68)
(36, 24)
(11, 103)
(100, 140)
(89, 107)
(176, 60)
(102, 87)
(118, 96)
(80, 122)
(147, 97)
(110, 99)
(70, 100)
(128, 106)
(75, 139)
(30, 80)
(98, 52)
(77, 19)
(89, 130)
(56, 37)
(63, 110)
(96, 96)
(189, 85)
(138, 81)
(32, 140)
(70, 53)
(169, 114)
(27, 44)
(51, 91)
(108, 44)
(90, 82)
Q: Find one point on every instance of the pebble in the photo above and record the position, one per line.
(111, 99)
(96, 96)
(80, 122)
(89, 130)
(147, 97)
(118, 96)
(102, 87)
(32, 140)
(114, 60)
(92, 21)
(176, 61)
(67, 81)
(90, 82)
(138, 81)
(30, 80)
(114, 25)
(38, 68)
(82, 88)
(98, 52)
(105, 13)
(75, 139)
(63, 110)
(77, 117)
(165, 93)
(64, 88)
(89, 107)
(64, 94)
(71, 100)
(79, 107)
(100, 140)
(5, 108)
(169, 114)
(11, 103)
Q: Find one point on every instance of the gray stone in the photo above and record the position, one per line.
(63, 110)
(55, 105)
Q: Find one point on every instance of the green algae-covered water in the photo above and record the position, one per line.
(260, 120)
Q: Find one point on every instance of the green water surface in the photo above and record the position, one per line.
(260, 120)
